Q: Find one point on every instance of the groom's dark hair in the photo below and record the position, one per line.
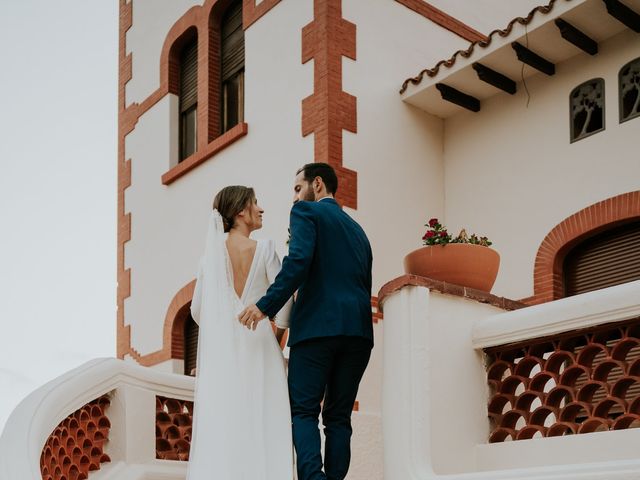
(322, 170)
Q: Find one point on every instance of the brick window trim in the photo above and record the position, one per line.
(548, 284)
(200, 156)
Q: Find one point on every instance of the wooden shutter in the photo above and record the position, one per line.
(232, 41)
(607, 259)
(189, 76)
(191, 330)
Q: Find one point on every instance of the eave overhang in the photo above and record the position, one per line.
(532, 45)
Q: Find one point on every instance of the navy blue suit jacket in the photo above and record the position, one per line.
(329, 264)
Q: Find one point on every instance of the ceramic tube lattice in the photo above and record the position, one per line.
(173, 428)
(76, 445)
(579, 382)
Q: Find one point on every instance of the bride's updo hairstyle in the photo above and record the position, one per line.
(230, 201)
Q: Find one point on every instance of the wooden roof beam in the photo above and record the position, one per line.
(624, 14)
(494, 78)
(453, 95)
(533, 59)
(572, 35)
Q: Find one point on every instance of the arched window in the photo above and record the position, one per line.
(190, 344)
(629, 90)
(606, 259)
(587, 109)
(188, 98)
(232, 63)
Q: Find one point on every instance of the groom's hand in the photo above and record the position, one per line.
(250, 317)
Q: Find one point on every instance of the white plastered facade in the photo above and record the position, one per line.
(508, 172)
(397, 153)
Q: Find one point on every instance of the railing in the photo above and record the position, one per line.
(549, 370)
(99, 416)
(111, 419)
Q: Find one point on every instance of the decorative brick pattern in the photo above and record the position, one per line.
(548, 282)
(76, 446)
(329, 110)
(447, 288)
(173, 428)
(579, 382)
(124, 180)
(443, 19)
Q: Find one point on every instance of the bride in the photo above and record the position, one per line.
(242, 420)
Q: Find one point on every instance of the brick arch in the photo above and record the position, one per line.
(185, 29)
(174, 320)
(547, 275)
(170, 58)
(172, 332)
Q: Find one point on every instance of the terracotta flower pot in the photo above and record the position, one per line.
(473, 266)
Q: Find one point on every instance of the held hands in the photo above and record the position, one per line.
(250, 317)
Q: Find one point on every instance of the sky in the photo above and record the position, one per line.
(58, 151)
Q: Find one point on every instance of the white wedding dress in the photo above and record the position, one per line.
(242, 420)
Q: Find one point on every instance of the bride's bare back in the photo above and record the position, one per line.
(241, 252)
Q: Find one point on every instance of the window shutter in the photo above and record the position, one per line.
(189, 76)
(607, 259)
(232, 41)
(191, 330)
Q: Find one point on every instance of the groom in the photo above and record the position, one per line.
(331, 335)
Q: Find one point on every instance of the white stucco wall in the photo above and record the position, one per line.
(397, 151)
(512, 174)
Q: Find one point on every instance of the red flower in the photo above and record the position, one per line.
(443, 233)
(429, 234)
(433, 222)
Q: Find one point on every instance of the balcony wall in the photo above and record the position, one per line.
(436, 393)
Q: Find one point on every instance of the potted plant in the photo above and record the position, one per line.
(463, 260)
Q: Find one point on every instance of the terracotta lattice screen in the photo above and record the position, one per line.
(580, 382)
(76, 446)
(173, 428)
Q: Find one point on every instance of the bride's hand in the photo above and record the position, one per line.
(250, 317)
